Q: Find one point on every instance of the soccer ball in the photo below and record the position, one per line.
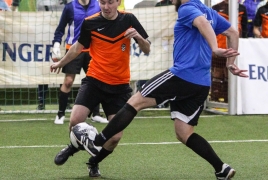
(79, 130)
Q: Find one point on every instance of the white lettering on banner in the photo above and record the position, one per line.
(252, 92)
(25, 46)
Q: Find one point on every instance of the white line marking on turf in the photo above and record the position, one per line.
(139, 117)
(228, 141)
(127, 144)
(23, 120)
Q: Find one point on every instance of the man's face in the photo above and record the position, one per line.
(109, 8)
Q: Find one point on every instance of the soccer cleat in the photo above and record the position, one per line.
(99, 119)
(226, 173)
(93, 169)
(59, 120)
(40, 107)
(89, 146)
(64, 154)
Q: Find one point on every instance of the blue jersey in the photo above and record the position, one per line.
(74, 14)
(192, 53)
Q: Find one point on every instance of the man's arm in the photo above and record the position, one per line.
(232, 42)
(72, 53)
(208, 33)
(257, 32)
(144, 44)
(257, 25)
(60, 30)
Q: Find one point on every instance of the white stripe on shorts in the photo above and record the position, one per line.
(183, 117)
(157, 82)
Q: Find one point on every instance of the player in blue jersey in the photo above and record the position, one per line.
(73, 15)
(186, 84)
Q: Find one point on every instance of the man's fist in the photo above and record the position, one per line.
(56, 55)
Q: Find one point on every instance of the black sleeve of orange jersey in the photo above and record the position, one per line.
(258, 18)
(137, 25)
(244, 23)
(85, 35)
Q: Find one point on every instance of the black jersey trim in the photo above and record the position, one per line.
(112, 42)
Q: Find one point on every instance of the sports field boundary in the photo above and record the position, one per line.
(68, 119)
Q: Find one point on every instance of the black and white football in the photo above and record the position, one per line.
(80, 130)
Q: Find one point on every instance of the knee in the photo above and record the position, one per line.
(68, 81)
(139, 102)
(68, 84)
(182, 137)
(74, 122)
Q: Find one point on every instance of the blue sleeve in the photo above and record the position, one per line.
(221, 24)
(187, 15)
(64, 20)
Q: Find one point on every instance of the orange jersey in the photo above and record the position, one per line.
(109, 49)
(223, 10)
(261, 20)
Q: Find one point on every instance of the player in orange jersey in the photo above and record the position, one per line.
(261, 22)
(108, 34)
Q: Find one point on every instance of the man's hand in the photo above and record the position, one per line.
(56, 54)
(236, 71)
(55, 67)
(226, 52)
(132, 33)
(144, 44)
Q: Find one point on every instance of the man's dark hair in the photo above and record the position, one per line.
(177, 5)
(63, 2)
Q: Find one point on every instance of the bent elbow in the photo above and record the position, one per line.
(236, 33)
(147, 51)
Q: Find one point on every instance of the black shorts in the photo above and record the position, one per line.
(112, 97)
(74, 67)
(186, 99)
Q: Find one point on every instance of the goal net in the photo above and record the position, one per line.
(26, 40)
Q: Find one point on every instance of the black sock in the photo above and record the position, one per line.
(201, 147)
(63, 101)
(42, 90)
(102, 155)
(119, 122)
(96, 111)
